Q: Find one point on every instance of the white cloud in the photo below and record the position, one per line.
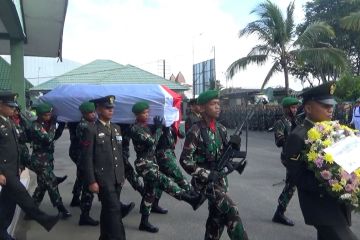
(131, 32)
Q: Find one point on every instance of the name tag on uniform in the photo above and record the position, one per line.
(101, 135)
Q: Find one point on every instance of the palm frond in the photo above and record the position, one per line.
(289, 22)
(273, 69)
(322, 57)
(260, 29)
(351, 22)
(313, 33)
(242, 63)
(260, 50)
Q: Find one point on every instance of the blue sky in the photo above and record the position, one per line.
(144, 32)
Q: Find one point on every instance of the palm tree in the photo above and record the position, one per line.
(277, 35)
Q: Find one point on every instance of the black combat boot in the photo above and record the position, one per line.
(75, 202)
(146, 226)
(279, 217)
(157, 209)
(193, 198)
(61, 179)
(64, 212)
(126, 208)
(85, 219)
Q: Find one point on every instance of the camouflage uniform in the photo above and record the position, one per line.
(86, 196)
(74, 151)
(23, 128)
(191, 119)
(42, 160)
(282, 129)
(198, 158)
(130, 175)
(166, 158)
(145, 164)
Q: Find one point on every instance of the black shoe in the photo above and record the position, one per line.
(157, 209)
(126, 209)
(61, 179)
(193, 198)
(146, 226)
(50, 222)
(64, 212)
(85, 219)
(75, 202)
(282, 219)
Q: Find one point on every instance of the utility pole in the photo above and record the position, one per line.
(163, 68)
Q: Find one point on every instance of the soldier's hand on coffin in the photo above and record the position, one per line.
(2, 180)
(214, 176)
(94, 187)
(235, 141)
(158, 121)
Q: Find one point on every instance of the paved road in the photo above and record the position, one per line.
(253, 191)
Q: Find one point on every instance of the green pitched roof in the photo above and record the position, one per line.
(5, 76)
(108, 72)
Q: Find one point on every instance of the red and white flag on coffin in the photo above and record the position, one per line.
(164, 102)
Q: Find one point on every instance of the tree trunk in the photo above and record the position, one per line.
(286, 75)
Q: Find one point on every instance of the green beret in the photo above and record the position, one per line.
(289, 101)
(43, 108)
(140, 107)
(87, 107)
(207, 96)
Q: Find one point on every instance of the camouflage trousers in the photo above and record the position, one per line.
(167, 165)
(80, 188)
(134, 180)
(43, 165)
(286, 193)
(222, 212)
(25, 156)
(153, 179)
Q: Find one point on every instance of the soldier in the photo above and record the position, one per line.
(330, 217)
(23, 126)
(13, 192)
(87, 110)
(145, 143)
(166, 159)
(203, 147)
(282, 129)
(194, 115)
(43, 136)
(74, 156)
(101, 157)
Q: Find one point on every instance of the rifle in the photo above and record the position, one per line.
(226, 165)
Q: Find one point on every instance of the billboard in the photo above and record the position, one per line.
(203, 76)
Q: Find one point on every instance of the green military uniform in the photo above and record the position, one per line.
(131, 176)
(166, 158)
(86, 196)
(145, 143)
(282, 129)
(23, 126)
(330, 217)
(43, 136)
(202, 149)
(13, 192)
(145, 164)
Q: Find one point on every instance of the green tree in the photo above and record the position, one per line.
(279, 43)
(336, 14)
(348, 87)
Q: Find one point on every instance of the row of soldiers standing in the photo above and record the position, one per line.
(265, 116)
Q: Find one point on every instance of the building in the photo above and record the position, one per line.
(107, 72)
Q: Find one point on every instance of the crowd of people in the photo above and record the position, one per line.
(265, 116)
(100, 150)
